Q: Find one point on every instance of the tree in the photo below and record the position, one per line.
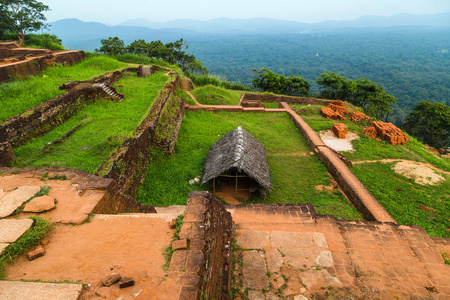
(429, 123)
(268, 81)
(139, 47)
(112, 46)
(22, 16)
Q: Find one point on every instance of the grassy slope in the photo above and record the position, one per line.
(20, 95)
(407, 201)
(213, 95)
(294, 171)
(106, 124)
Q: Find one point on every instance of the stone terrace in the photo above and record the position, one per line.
(288, 251)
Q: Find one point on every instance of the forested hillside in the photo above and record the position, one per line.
(413, 64)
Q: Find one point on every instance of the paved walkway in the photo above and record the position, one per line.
(287, 252)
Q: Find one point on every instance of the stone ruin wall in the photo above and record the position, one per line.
(357, 193)
(47, 115)
(127, 165)
(287, 99)
(204, 267)
(34, 66)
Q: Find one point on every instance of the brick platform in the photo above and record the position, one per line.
(288, 251)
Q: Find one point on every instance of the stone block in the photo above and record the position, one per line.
(190, 280)
(126, 282)
(15, 199)
(111, 279)
(189, 293)
(180, 244)
(197, 244)
(195, 261)
(40, 204)
(11, 230)
(17, 290)
(38, 252)
(255, 270)
(178, 261)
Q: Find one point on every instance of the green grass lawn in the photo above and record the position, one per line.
(295, 172)
(20, 95)
(213, 95)
(105, 125)
(407, 201)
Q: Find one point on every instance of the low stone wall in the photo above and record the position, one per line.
(45, 116)
(7, 156)
(361, 198)
(287, 99)
(204, 267)
(34, 66)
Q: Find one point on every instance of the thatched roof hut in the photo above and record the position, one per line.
(240, 152)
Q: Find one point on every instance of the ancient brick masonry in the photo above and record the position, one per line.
(127, 165)
(287, 99)
(45, 116)
(252, 103)
(340, 130)
(204, 269)
(6, 151)
(386, 131)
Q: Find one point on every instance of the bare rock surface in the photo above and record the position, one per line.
(17, 290)
(2, 193)
(13, 200)
(40, 204)
(3, 247)
(11, 230)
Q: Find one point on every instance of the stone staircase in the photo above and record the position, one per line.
(110, 91)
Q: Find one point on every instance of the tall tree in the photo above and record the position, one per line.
(22, 16)
(429, 123)
(111, 46)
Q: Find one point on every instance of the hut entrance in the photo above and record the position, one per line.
(234, 187)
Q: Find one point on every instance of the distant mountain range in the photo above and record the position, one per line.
(87, 35)
(271, 25)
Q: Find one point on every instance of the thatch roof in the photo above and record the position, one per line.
(241, 150)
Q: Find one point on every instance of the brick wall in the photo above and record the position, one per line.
(204, 268)
(357, 193)
(127, 165)
(34, 66)
(45, 116)
(287, 99)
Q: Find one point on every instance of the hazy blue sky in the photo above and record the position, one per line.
(308, 11)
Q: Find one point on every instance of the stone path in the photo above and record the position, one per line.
(17, 290)
(11, 230)
(288, 252)
(14, 199)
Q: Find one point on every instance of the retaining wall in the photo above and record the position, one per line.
(358, 194)
(127, 165)
(287, 99)
(34, 66)
(204, 268)
(45, 116)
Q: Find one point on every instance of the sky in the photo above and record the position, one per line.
(113, 12)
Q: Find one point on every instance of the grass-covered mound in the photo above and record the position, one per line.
(105, 124)
(295, 172)
(20, 95)
(213, 95)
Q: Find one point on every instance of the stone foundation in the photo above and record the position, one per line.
(204, 269)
